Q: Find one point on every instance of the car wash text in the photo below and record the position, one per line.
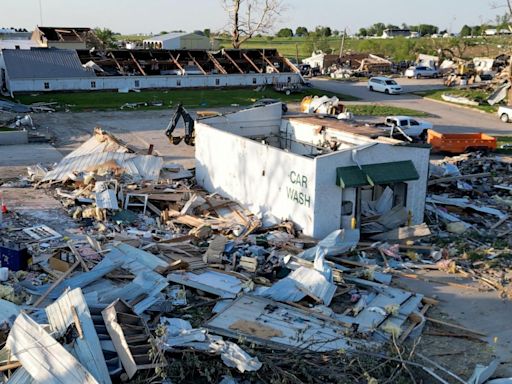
(298, 191)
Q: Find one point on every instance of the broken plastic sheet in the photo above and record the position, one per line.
(181, 334)
(444, 170)
(218, 283)
(336, 243)
(380, 206)
(302, 282)
(483, 372)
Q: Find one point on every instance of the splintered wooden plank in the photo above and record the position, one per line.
(43, 357)
(88, 348)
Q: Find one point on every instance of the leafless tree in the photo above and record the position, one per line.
(248, 18)
(505, 19)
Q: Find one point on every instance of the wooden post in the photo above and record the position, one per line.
(342, 42)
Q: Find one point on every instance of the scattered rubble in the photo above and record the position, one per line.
(159, 281)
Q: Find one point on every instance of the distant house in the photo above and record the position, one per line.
(495, 32)
(62, 37)
(178, 40)
(395, 32)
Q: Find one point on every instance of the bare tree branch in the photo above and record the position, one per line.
(250, 17)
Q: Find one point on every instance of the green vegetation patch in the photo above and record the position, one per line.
(479, 95)
(162, 99)
(383, 110)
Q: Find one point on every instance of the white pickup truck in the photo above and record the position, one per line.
(505, 114)
(414, 128)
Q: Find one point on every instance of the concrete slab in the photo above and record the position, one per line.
(472, 308)
(29, 154)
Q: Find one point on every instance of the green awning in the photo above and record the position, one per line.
(383, 173)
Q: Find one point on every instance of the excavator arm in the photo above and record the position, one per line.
(181, 112)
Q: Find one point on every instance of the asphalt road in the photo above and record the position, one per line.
(446, 118)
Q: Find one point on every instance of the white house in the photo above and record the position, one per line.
(178, 40)
(322, 174)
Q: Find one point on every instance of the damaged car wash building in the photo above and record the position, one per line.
(48, 70)
(322, 174)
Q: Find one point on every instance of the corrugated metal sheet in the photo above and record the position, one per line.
(42, 356)
(97, 144)
(86, 349)
(144, 167)
(43, 63)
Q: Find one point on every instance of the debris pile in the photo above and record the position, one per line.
(159, 281)
(469, 208)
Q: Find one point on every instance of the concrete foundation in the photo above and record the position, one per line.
(13, 138)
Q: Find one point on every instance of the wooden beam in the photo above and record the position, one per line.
(233, 62)
(117, 63)
(77, 35)
(175, 60)
(269, 62)
(251, 62)
(216, 63)
(137, 64)
(196, 63)
(55, 284)
(289, 63)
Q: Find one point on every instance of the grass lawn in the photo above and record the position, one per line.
(473, 94)
(191, 98)
(504, 140)
(383, 110)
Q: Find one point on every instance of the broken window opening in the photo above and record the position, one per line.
(46, 85)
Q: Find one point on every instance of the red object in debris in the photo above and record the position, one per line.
(4, 208)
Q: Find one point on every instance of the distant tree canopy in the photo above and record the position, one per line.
(301, 31)
(321, 31)
(378, 28)
(466, 31)
(207, 32)
(285, 32)
(424, 29)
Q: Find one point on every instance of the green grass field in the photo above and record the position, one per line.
(474, 94)
(195, 98)
(191, 98)
(383, 110)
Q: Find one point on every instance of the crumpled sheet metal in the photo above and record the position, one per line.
(141, 167)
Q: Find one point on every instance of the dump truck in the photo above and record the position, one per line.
(457, 143)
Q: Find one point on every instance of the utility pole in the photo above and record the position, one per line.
(342, 42)
(40, 13)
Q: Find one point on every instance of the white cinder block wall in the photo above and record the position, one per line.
(288, 185)
(263, 178)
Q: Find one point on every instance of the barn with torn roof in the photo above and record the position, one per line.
(49, 70)
(322, 174)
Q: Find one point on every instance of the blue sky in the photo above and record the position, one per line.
(138, 16)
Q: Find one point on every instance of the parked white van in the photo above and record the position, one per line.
(384, 84)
